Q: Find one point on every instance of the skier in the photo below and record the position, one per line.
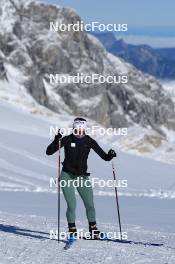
(76, 148)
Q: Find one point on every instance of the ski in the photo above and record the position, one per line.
(134, 242)
(127, 242)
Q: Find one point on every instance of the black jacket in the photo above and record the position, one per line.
(76, 153)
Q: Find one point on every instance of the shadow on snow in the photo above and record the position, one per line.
(24, 232)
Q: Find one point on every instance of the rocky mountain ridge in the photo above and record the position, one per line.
(27, 44)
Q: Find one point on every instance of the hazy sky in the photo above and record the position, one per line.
(149, 21)
(134, 12)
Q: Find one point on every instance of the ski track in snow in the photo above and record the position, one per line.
(26, 240)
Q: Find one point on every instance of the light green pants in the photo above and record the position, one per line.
(69, 183)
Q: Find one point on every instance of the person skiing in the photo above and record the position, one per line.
(76, 148)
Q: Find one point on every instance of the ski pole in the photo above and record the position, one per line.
(117, 202)
(58, 182)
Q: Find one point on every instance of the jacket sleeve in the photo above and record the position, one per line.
(99, 150)
(54, 146)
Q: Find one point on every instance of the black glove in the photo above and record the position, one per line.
(58, 136)
(112, 154)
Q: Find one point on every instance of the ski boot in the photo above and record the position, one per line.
(72, 233)
(94, 232)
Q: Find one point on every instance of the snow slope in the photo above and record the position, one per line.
(28, 242)
(25, 167)
(29, 206)
(139, 141)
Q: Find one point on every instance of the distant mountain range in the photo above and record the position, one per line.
(157, 62)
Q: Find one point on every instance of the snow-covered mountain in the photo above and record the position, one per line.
(28, 45)
(29, 52)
